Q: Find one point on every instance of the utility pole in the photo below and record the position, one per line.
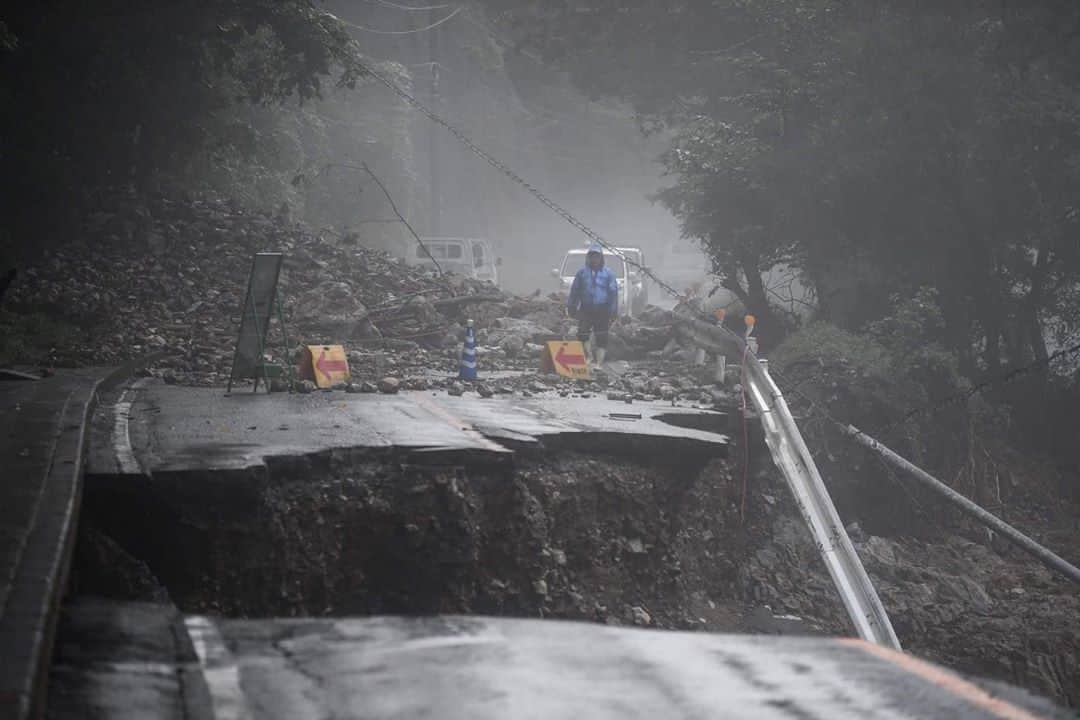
(435, 215)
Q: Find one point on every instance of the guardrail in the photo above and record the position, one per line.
(791, 455)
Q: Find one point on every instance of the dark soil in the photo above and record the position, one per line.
(566, 535)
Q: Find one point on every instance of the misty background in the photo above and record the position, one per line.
(914, 168)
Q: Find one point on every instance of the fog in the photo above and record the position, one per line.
(590, 156)
(868, 213)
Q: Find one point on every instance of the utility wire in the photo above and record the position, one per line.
(432, 26)
(393, 206)
(595, 237)
(410, 8)
(964, 395)
(505, 170)
(363, 166)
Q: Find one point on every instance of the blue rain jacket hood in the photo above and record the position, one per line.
(594, 288)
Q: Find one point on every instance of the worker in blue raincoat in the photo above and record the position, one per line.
(594, 301)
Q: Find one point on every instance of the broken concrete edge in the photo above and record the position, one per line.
(50, 547)
(13, 374)
(612, 444)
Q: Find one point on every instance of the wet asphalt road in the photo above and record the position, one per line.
(147, 661)
(168, 428)
(142, 664)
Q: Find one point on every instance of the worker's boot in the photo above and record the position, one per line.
(600, 353)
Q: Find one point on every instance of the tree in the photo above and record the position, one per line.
(99, 96)
(880, 146)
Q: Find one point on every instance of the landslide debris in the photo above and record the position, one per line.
(170, 275)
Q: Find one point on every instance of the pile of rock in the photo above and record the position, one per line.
(172, 276)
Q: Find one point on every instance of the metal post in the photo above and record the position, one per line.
(435, 217)
(1043, 555)
(285, 339)
(260, 336)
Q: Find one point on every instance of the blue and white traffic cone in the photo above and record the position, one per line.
(468, 354)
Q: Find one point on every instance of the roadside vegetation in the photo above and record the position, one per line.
(918, 164)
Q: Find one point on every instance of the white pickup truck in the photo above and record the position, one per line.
(633, 290)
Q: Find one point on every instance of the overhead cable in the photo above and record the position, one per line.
(375, 31)
(505, 170)
(410, 8)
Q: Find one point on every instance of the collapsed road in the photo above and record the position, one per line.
(623, 501)
(200, 507)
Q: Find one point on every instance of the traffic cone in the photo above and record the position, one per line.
(468, 354)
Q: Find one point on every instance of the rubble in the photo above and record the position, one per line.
(185, 297)
(389, 385)
(125, 298)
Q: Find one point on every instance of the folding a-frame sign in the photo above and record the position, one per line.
(260, 304)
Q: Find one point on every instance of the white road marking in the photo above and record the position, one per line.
(220, 670)
(122, 449)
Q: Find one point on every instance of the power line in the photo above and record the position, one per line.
(363, 167)
(505, 170)
(375, 31)
(394, 207)
(409, 8)
(964, 395)
(595, 237)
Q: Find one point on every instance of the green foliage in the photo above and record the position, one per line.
(895, 364)
(878, 146)
(913, 334)
(844, 370)
(31, 337)
(97, 96)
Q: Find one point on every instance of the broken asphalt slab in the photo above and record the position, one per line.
(169, 428)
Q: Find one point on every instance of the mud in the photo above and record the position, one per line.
(561, 533)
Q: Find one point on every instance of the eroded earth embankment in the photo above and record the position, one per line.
(623, 533)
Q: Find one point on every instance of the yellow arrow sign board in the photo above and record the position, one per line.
(567, 358)
(326, 365)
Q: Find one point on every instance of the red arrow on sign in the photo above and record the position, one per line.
(328, 366)
(567, 360)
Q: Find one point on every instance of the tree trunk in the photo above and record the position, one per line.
(770, 331)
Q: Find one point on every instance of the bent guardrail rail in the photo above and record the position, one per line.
(791, 455)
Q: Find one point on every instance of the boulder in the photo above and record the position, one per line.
(527, 330)
(389, 385)
(512, 345)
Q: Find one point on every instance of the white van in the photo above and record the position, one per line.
(639, 281)
(471, 257)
